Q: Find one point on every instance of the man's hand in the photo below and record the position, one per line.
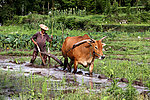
(34, 41)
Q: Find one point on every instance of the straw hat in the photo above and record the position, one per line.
(44, 27)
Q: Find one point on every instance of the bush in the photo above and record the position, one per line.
(144, 16)
(147, 6)
(115, 8)
(73, 22)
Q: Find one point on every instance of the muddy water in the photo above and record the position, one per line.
(57, 74)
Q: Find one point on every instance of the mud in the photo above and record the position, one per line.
(96, 82)
(2, 57)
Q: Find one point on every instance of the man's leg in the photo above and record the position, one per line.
(45, 58)
(35, 53)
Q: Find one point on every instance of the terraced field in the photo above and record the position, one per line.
(127, 60)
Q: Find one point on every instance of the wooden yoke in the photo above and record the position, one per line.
(81, 42)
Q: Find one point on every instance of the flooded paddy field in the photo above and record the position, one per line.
(19, 80)
(124, 74)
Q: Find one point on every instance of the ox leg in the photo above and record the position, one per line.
(70, 65)
(91, 68)
(65, 63)
(75, 66)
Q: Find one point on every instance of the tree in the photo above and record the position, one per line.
(147, 6)
(115, 8)
(80, 4)
(108, 7)
(128, 6)
(7, 10)
(100, 6)
(90, 6)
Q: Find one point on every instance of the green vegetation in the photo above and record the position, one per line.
(127, 56)
(38, 87)
(10, 10)
(10, 39)
(126, 23)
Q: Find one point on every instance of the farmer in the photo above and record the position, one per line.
(40, 40)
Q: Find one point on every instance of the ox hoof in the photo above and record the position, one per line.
(124, 80)
(89, 74)
(138, 83)
(74, 72)
(69, 69)
(102, 76)
(80, 72)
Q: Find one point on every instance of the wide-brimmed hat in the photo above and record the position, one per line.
(44, 27)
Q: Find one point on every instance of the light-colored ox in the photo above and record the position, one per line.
(82, 50)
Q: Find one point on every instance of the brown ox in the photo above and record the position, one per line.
(82, 50)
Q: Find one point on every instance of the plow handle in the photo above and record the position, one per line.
(40, 54)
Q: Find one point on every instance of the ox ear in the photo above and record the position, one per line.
(103, 44)
(103, 38)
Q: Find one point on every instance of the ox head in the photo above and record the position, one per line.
(97, 46)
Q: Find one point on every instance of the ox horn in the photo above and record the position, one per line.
(103, 38)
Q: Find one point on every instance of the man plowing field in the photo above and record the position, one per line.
(39, 39)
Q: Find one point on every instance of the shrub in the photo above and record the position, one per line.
(147, 6)
(144, 16)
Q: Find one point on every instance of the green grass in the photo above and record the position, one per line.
(127, 56)
(37, 87)
(16, 30)
(16, 53)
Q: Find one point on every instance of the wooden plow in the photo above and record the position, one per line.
(53, 57)
(49, 56)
